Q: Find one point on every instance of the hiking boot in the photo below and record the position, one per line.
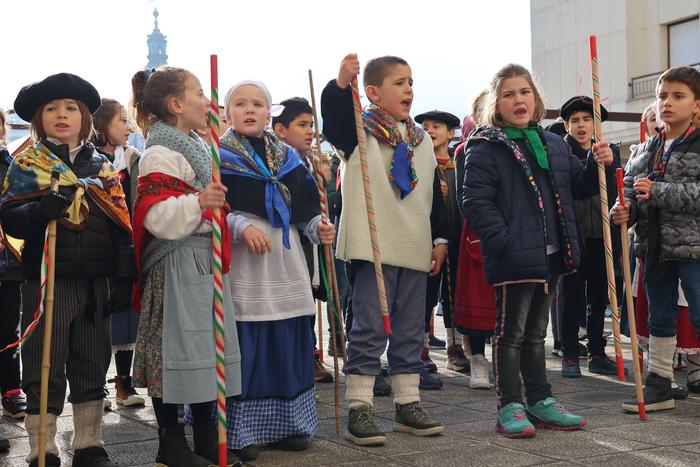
(206, 443)
(362, 430)
(173, 450)
(126, 394)
(658, 395)
(479, 378)
(321, 375)
(436, 343)
(293, 443)
(412, 418)
(429, 382)
(248, 453)
(513, 423)
(456, 360)
(551, 414)
(570, 368)
(94, 456)
(602, 365)
(52, 460)
(381, 387)
(428, 364)
(14, 404)
(678, 392)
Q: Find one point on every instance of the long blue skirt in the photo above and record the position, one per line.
(278, 399)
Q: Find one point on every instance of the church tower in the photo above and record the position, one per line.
(156, 46)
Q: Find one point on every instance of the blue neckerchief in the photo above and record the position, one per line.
(252, 166)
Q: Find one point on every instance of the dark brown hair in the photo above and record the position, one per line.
(86, 129)
(151, 89)
(489, 115)
(379, 68)
(681, 74)
(101, 119)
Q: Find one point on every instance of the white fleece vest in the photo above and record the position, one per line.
(403, 226)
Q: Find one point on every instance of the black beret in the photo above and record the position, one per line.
(445, 117)
(557, 128)
(578, 104)
(60, 86)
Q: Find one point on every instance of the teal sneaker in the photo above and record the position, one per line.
(550, 414)
(513, 423)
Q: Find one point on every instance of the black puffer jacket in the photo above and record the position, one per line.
(101, 249)
(501, 204)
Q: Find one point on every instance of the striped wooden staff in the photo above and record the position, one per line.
(328, 259)
(217, 266)
(636, 364)
(366, 184)
(604, 212)
(48, 272)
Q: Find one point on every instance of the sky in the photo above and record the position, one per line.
(453, 46)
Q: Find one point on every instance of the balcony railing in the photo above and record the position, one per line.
(645, 85)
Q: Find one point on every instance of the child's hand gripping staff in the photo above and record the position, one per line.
(630, 300)
(607, 239)
(362, 145)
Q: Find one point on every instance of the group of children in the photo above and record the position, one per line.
(489, 230)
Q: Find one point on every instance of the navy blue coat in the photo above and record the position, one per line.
(502, 204)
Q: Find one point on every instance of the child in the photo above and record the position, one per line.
(586, 290)
(175, 356)
(661, 201)
(294, 126)
(112, 130)
(518, 196)
(406, 194)
(272, 196)
(440, 126)
(94, 267)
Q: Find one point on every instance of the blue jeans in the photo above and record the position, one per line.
(663, 298)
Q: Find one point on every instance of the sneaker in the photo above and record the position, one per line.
(570, 368)
(14, 404)
(556, 349)
(551, 414)
(412, 418)
(513, 423)
(678, 392)
(436, 343)
(362, 430)
(92, 457)
(52, 460)
(321, 374)
(4, 444)
(381, 387)
(658, 395)
(428, 364)
(479, 378)
(429, 382)
(456, 360)
(126, 394)
(602, 365)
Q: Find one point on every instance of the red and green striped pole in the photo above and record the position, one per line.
(217, 266)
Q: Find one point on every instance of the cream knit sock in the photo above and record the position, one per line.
(359, 391)
(405, 387)
(661, 355)
(31, 424)
(87, 423)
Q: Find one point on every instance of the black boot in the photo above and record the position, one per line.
(293, 443)
(658, 395)
(206, 443)
(173, 450)
(94, 456)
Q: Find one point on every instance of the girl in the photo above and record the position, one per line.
(93, 262)
(174, 356)
(272, 195)
(112, 130)
(518, 196)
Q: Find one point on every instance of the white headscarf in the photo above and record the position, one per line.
(274, 110)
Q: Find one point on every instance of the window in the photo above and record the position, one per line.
(684, 43)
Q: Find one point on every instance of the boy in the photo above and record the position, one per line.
(441, 126)
(662, 200)
(586, 291)
(406, 194)
(295, 127)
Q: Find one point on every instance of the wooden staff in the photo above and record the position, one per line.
(328, 257)
(319, 318)
(604, 212)
(630, 300)
(49, 268)
(217, 267)
(367, 186)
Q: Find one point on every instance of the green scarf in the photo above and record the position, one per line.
(532, 141)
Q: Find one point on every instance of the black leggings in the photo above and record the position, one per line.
(166, 414)
(9, 322)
